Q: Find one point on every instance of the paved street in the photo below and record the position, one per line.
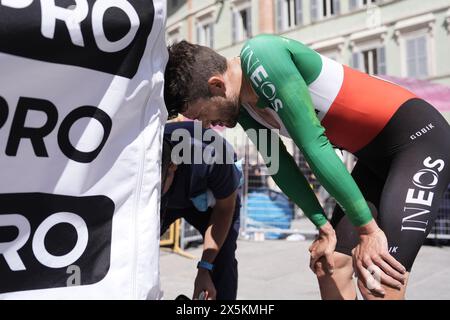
(279, 270)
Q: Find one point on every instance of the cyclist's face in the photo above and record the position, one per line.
(223, 107)
(215, 111)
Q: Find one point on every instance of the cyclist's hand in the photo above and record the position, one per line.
(322, 251)
(373, 264)
(203, 283)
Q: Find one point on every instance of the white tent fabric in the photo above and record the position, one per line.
(81, 120)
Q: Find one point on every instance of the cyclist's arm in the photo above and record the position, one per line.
(288, 177)
(293, 104)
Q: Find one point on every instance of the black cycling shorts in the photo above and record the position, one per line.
(403, 174)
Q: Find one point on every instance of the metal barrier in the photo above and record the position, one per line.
(441, 228)
(168, 238)
(269, 214)
(268, 209)
(172, 239)
(257, 182)
(188, 234)
(265, 211)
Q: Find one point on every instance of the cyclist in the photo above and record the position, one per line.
(387, 208)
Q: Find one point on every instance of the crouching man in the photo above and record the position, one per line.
(205, 194)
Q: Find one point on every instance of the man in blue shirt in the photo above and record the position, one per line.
(204, 193)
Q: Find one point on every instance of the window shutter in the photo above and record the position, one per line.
(411, 57)
(356, 59)
(280, 24)
(353, 4)
(234, 26)
(337, 7)
(199, 33)
(211, 35)
(299, 12)
(314, 10)
(381, 57)
(422, 57)
(249, 23)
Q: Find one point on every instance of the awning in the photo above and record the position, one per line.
(436, 94)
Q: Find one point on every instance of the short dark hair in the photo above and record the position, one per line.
(188, 70)
(166, 158)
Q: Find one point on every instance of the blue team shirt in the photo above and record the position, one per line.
(195, 184)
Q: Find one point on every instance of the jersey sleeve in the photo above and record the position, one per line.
(268, 62)
(288, 177)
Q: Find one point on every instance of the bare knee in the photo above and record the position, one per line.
(342, 264)
(338, 285)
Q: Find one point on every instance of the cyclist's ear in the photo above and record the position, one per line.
(217, 86)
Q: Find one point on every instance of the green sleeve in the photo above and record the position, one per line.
(289, 177)
(268, 62)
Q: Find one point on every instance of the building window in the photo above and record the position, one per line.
(357, 4)
(205, 33)
(333, 54)
(174, 36)
(417, 57)
(416, 38)
(241, 24)
(322, 9)
(371, 61)
(289, 14)
(331, 49)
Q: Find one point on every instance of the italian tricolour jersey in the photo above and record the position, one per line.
(81, 119)
(318, 103)
(352, 106)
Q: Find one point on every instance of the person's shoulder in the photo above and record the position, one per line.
(260, 49)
